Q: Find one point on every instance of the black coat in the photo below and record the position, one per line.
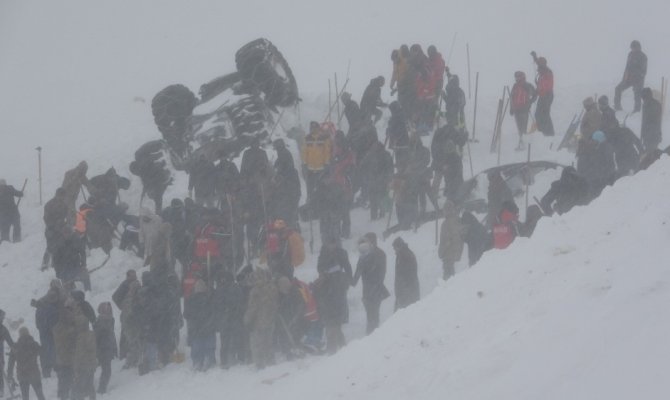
(199, 314)
(476, 237)
(203, 178)
(652, 114)
(569, 191)
(4, 337)
(331, 288)
(354, 116)
(105, 339)
(636, 66)
(372, 98)
(255, 164)
(229, 178)
(406, 278)
(627, 149)
(371, 269)
(7, 204)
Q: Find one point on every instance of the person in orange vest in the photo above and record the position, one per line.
(522, 97)
(316, 154)
(81, 221)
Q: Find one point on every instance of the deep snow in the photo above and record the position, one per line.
(574, 312)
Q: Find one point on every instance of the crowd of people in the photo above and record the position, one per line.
(221, 261)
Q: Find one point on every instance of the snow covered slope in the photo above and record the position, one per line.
(578, 312)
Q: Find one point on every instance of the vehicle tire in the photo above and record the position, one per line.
(172, 108)
(260, 63)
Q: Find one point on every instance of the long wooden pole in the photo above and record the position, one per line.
(339, 114)
(467, 47)
(474, 115)
(39, 169)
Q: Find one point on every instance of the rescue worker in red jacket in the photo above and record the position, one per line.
(506, 228)
(545, 95)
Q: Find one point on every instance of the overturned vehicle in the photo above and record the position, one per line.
(231, 110)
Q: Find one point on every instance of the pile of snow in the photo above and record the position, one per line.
(578, 312)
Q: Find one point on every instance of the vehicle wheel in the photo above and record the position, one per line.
(172, 108)
(260, 63)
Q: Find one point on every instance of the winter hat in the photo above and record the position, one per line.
(3, 182)
(345, 96)
(23, 332)
(542, 62)
(177, 203)
(364, 247)
(519, 75)
(279, 144)
(399, 243)
(313, 126)
(646, 93)
(588, 102)
(635, 45)
(603, 100)
(598, 136)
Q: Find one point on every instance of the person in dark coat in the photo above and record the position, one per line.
(105, 341)
(24, 356)
(55, 221)
(180, 237)
(378, 171)
(596, 162)
(203, 180)
(652, 114)
(9, 212)
(199, 315)
(476, 236)
(5, 337)
(569, 191)
(106, 186)
(609, 121)
(447, 162)
(454, 102)
(372, 99)
(122, 298)
(371, 269)
(406, 275)
(150, 165)
(330, 290)
(255, 174)
(46, 317)
(285, 188)
(352, 113)
(633, 75)
(69, 260)
(397, 135)
(228, 304)
(544, 82)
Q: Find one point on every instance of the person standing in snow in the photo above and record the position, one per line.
(73, 181)
(9, 212)
(330, 290)
(406, 275)
(123, 298)
(545, 95)
(260, 317)
(522, 96)
(592, 119)
(454, 102)
(5, 337)
(24, 356)
(105, 341)
(203, 181)
(652, 114)
(199, 316)
(633, 76)
(371, 268)
(451, 242)
(372, 99)
(55, 221)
